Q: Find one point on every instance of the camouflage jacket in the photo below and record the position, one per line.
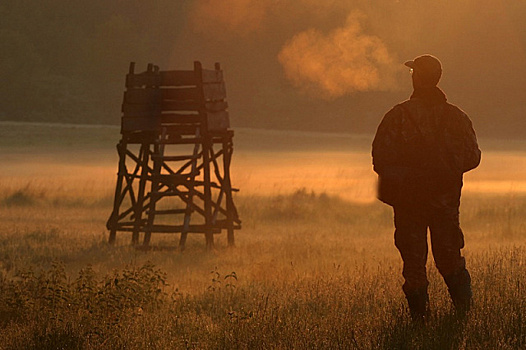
(421, 149)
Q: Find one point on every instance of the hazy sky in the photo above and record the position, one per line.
(339, 64)
(332, 65)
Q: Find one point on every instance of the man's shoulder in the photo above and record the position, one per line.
(398, 109)
(455, 109)
(409, 105)
(413, 104)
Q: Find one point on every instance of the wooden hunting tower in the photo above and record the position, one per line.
(174, 156)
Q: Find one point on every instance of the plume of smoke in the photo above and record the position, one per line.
(341, 62)
(239, 17)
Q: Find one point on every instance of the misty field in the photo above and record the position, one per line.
(314, 266)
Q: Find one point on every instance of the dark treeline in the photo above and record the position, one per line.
(65, 61)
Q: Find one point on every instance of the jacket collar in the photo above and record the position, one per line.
(432, 95)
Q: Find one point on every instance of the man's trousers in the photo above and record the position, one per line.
(447, 239)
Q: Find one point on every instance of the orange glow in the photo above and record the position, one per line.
(347, 174)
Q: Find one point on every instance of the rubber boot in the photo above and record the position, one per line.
(418, 301)
(459, 286)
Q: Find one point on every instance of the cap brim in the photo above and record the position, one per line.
(410, 64)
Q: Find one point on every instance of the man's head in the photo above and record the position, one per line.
(427, 71)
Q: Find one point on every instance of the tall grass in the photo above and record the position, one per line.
(133, 308)
(309, 271)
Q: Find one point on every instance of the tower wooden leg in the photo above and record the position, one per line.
(112, 222)
(154, 194)
(191, 192)
(113, 236)
(207, 148)
(139, 206)
(227, 158)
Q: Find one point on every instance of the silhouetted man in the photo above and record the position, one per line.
(421, 149)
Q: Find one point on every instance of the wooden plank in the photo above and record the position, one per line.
(136, 135)
(141, 110)
(180, 118)
(182, 141)
(169, 211)
(181, 129)
(156, 95)
(163, 78)
(218, 120)
(178, 228)
(140, 136)
(223, 223)
(178, 78)
(174, 158)
(169, 105)
(139, 124)
(170, 194)
(166, 106)
(174, 178)
(180, 94)
(212, 106)
(143, 96)
(173, 98)
(214, 92)
(170, 229)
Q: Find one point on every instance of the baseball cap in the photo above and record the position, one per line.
(428, 66)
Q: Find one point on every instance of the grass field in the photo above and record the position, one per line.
(314, 266)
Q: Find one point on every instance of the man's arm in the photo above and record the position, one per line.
(472, 152)
(384, 143)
